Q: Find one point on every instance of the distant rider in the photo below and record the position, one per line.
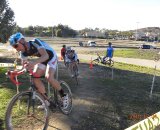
(71, 57)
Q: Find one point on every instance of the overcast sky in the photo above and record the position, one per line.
(78, 14)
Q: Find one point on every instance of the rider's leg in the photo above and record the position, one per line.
(64, 57)
(51, 79)
(71, 69)
(76, 65)
(50, 72)
(39, 71)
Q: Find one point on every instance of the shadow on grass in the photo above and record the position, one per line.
(1, 124)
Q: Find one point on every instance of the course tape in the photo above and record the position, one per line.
(149, 123)
(6, 65)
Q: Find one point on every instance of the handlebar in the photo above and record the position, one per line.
(13, 74)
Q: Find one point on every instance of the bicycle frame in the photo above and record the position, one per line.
(53, 96)
(100, 58)
(71, 65)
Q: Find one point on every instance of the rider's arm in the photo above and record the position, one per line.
(44, 56)
(41, 50)
(24, 59)
(76, 56)
(67, 57)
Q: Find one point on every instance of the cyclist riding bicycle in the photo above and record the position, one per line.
(109, 52)
(45, 63)
(71, 57)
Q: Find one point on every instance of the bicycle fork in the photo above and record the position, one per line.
(31, 103)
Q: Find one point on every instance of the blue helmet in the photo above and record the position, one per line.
(15, 38)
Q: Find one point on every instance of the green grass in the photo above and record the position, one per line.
(136, 53)
(136, 68)
(149, 54)
(7, 90)
(5, 94)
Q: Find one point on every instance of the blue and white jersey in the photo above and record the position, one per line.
(34, 46)
(70, 56)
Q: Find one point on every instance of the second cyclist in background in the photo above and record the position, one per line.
(71, 60)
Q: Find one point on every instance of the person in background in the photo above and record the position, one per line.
(109, 52)
(63, 52)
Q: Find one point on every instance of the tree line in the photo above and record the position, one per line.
(58, 31)
(8, 26)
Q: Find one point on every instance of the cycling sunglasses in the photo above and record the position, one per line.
(15, 46)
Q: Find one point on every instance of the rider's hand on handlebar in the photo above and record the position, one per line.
(29, 65)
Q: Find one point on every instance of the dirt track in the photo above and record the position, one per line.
(83, 99)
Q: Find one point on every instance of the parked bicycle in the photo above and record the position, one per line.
(23, 112)
(106, 61)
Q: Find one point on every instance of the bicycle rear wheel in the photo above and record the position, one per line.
(109, 62)
(66, 90)
(23, 113)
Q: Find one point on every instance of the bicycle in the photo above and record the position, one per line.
(22, 111)
(105, 61)
(73, 70)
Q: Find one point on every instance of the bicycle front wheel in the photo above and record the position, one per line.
(23, 112)
(66, 90)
